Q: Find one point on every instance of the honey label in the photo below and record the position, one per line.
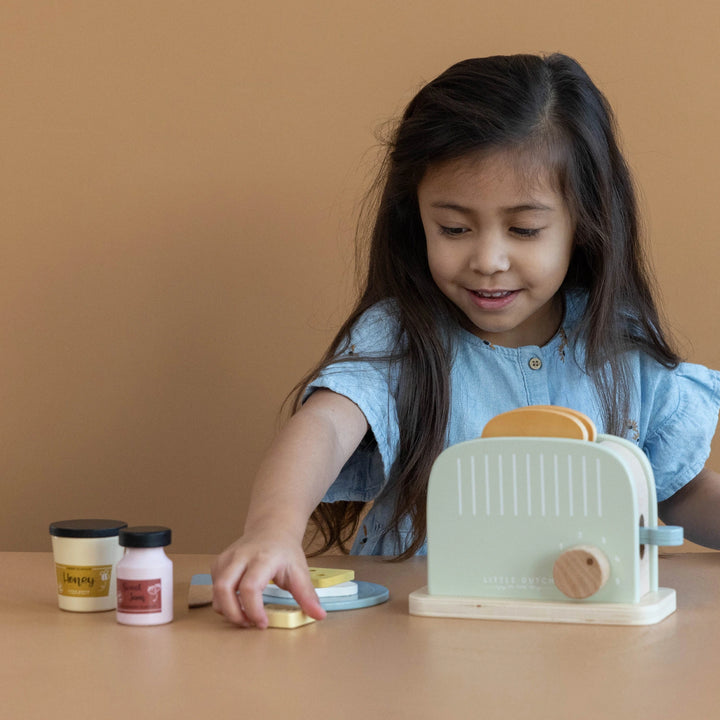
(83, 581)
(139, 596)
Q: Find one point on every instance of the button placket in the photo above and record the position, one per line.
(535, 376)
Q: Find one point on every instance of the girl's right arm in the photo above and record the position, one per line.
(300, 466)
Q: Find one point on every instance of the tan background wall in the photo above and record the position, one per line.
(179, 187)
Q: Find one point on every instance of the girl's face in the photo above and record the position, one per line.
(498, 246)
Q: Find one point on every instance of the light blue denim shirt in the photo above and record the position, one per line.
(672, 419)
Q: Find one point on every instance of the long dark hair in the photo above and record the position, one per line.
(547, 109)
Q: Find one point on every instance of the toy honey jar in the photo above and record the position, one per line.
(86, 554)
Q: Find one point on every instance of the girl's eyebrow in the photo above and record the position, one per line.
(529, 207)
(450, 206)
(524, 207)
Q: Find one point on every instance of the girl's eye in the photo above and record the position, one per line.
(525, 232)
(452, 231)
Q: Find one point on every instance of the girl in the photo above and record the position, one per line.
(505, 269)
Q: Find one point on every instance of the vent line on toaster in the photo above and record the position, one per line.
(459, 484)
(500, 484)
(472, 478)
(529, 487)
(487, 485)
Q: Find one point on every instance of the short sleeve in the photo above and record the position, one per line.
(682, 423)
(370, 381)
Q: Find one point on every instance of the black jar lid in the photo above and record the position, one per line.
(90, 528)
(145, 536)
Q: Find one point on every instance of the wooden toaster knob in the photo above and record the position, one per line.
(581, 571)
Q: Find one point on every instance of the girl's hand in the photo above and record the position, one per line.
(297, 470)
(241, 573)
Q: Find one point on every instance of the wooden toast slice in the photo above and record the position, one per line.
(541, 421)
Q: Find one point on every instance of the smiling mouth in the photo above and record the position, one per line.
(493, 300)
(494, 294)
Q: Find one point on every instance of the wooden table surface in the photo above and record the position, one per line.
(375, 662)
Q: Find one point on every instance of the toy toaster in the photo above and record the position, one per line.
(542, 519)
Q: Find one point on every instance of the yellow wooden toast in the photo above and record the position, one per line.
(286, 616)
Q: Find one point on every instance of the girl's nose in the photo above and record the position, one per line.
(490, 255)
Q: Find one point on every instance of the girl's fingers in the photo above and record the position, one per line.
(225, 598)
(238, 587)
(302, 589)
(250, 593)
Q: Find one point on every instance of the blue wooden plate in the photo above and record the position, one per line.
(368, 594)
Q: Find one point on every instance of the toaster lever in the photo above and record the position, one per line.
(663, 535)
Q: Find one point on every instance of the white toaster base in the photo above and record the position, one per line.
(652, 608)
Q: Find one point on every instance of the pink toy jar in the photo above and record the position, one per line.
(145, 577)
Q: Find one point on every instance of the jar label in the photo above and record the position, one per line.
(83, 581)
(139, 596)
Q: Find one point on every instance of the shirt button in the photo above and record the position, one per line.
(535, 363)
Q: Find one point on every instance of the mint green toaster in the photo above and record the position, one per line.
(544, 528)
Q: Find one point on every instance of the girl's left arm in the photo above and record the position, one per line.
(696, 507)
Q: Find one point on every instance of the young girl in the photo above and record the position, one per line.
(505, 270)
